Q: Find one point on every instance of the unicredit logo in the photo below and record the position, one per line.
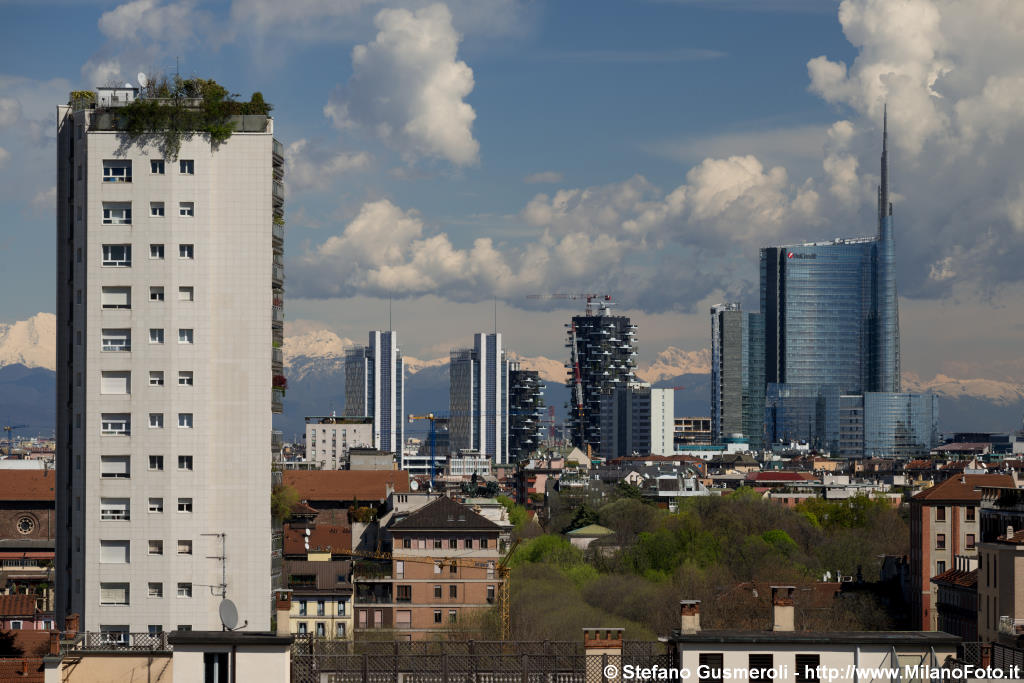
(793, 254)
(790, 255)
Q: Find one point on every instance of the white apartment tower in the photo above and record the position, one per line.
(637, 419)
(169, 296)
(375, 387)
(478, 398)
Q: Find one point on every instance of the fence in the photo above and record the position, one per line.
(316, 660)
(1009, 660)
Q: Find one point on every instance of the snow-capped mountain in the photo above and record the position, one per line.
(32, 342)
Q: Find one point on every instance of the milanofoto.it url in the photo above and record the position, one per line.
(822, 673)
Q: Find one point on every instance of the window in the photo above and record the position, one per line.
(490, 594)
(156, 335)
(156, 547)
(156, 420)
(184, 547)
(453, 591)
(303, 628)
(156, 209)
(762, 664)
(807, 668)
(185, 378)
(186, 293)
(468, 544)
(186, 251)
(437, 592)
(483, 542)
(156, 505)
(321, 608)
(115, 382)
(187, 166)
(969, 513)
(453, 616)
(185, 462)
(119, 255)
(302, 608)
(156, 463)
(155, 629)
(115, 467)
(156, 251)
(116, 297)
(940, 513)
(340, 629)
(940, 567)
(453, 543)
(399, 570)
(185, 420)
(321, 630)
(15, 625)
(185, 335)
(940, 541)
(184, 627)
(406, 542)
(187, 209)
(115, 552)
(184, 505)
(156, 293)
(156, 378)
(116, 424)
(452, 569)
(156, 166)
(437, 543)
(184, 590)
(341, 603)
(115, 509)
(117, 213)
(437, 567)
(117, 171)
(437, 616)
(215, 667)
(156, 589)
(970, 542)
(711, 665)
(113, 593)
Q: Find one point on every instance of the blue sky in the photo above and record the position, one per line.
(666, 141)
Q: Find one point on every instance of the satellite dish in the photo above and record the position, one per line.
(128, 85)
(143, 81)
(228, 614)
(307, 531)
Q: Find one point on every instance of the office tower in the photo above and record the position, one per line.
(637, 419)
(831, 329)
(478, 393)
(602, 356)
(525, 411)
(737, 374)
(169, 295)
(329, 439)
(375, 387)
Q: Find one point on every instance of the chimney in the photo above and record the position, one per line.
(283, 605)
(689, 617)
(54, 643)
(782, 608)
(601, 647)
(71, 625)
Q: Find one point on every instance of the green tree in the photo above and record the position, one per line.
(282, 499)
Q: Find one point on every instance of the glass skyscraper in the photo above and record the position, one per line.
(737, 374)
(831, 323)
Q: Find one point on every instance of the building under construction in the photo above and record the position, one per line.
(602, 357)
(525, 411)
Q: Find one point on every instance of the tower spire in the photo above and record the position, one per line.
(884, 205)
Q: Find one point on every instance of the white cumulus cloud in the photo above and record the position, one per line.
(315, 168)
(409, 87)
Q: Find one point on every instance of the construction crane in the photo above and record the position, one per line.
(10, 439)
(574, 296)
(433, 439)
(502, 569)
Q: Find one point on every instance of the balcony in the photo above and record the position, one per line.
(278, 194)
(278, 232)
(277, 313)
(277, 274)
(276, 401)
(117, 641)
(277, 356)
(1008, 626)
(278, 152)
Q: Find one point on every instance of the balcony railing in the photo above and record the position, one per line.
(278, 273)
(278, 150)
(278, 231)
(277, 356)
(278, 314)
(278, 193)
(117, 641)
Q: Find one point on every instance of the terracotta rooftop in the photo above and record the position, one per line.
(346, 485)
(17, 605)
(767, 477)
(14, 670)
(36, 485)
(919, 465)
(958, 577)
(963, 488)
(321, 536)
(445, 513)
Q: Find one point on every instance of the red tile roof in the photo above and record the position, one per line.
(17, 605)
(963, 488)
(346, 485)
(919, 465)
(321, 536)
(32, 643)
(12, 670)
(957, 577)
(35, 485)
(767, 477)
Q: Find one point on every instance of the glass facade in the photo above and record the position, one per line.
(737, 374)
(900, 425)
(374, 387)
(803, 413)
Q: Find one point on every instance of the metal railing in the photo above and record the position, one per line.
(278, 149)
(116, 641)
(278, 232)
(1010, 626)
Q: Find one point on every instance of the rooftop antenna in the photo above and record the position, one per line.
(495, 315)
(389, 312)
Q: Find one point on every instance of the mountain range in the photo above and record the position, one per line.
(314, 364)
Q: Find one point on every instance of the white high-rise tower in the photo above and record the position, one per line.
(374, 387)
(169, 301)
(478, 398)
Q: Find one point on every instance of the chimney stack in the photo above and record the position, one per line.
(783, 618)
(71, 625)
(283, 604)
(689, 617)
